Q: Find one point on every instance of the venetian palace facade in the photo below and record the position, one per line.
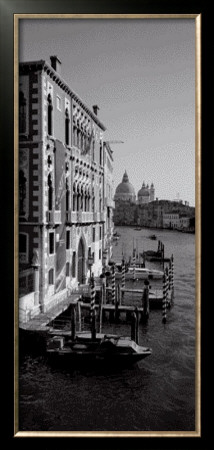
(65, 188)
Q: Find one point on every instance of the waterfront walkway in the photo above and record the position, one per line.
(40, 322)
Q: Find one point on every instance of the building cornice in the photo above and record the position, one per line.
(32, 66)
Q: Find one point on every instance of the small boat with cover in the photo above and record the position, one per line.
(103, 348)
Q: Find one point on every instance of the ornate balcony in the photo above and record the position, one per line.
(84, 217)
(96, 216)
(103, 216)
(71, 217)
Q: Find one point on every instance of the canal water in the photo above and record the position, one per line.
(156, 395)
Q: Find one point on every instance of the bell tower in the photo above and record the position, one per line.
(152, 193)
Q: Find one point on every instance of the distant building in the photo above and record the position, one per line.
(171, 220)
(156, 214)
(125, 191)
(146, 194)
(65, 188)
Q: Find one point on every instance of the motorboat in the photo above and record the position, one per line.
(142, 273)
(104, 348)
(153, 237)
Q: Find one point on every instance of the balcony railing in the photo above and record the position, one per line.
(54, 217)
(71, 217)
(85, 217)
(96, 216)
(79, 217)
(103, 216)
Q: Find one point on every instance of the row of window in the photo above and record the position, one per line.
(82, 201)
(81, 139)
(23, 242)
(70, 269)
(68, 239)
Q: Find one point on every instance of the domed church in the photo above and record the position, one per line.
(125, 191)
(146, 194)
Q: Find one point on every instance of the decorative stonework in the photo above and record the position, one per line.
(24, 183)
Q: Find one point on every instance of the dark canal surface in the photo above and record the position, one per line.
(156, 395)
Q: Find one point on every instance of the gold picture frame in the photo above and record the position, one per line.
(197, 431)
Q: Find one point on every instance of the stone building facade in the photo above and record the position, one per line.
(65, 187)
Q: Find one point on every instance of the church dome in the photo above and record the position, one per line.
(125, 190)
(143, 192)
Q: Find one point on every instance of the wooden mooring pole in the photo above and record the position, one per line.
(134, 264)
(133, 326)
(170, 276)
(113, 285)
(172, 273)
(73, 322)
(145, 301)
(113, 294)
(123, 279)
(167, 285)
(92, 309)
(117, 302)
(164, 299)
(101, 308)
(80, 316)
(137, 326)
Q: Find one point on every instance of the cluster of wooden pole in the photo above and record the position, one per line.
(116, 298)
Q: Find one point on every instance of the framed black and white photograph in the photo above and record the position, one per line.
(107, 224)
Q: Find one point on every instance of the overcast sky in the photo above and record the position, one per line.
(141, 74)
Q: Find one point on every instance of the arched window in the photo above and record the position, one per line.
(67, 199)
(67, 121)
(50, 113)
(51, 276)
(74, 198)
(93, 204)
(101, 151)
(86, 202)
(22, 193)
(23, 247)
(74, 135)
(74, 265)
(22, 113)
(93, 150)
(67, 269)
(50, 193)
(78, 138)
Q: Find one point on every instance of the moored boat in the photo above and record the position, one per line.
(142, 273)
(153, 237)
(107, 349)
